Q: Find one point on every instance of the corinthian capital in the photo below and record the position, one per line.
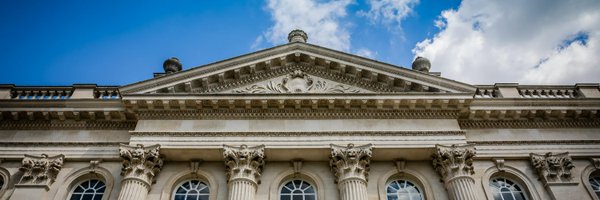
(139, 162)
(244, 162)
(40, 170)
(453, 161)
(350, 162)
(552, 167)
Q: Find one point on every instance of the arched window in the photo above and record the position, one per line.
(595, 183)
(1, 182)
(91, 189)
(403, 190)
(192, 190)
(298, 190)
(506, 189)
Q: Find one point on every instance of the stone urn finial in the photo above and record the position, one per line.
(421, 64)
(297, 36)
(172, 65)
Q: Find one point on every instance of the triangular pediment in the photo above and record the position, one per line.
(297, 68)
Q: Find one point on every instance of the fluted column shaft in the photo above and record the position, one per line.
(461, 188)
(140, 166)
(455, 165)
(351, 168)
(353, 189)
(242, 190)
(243, 167)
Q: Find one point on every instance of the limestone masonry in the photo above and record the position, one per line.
(300, 121)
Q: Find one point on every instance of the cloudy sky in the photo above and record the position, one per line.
(479, 42)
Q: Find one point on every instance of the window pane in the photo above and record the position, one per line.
(403, 190)
(505, 189)
(88, 190)
(285, 198)
(297, 190)
(192, 190)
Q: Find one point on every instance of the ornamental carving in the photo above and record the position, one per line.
(453, 161)
(297, 82)
(40, 169)
(552, 167)
(139, 162)
(244, 162)
(350, 162)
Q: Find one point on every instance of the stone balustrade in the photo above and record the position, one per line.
(514, 90)
(77, 91)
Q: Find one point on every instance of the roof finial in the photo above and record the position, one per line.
(172, 65)
(297, 35)
(421, 64)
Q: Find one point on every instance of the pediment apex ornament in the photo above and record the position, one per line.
(350, 162)
(244, 162)
(553, 167)
(141, 162)
(453, 161)
(297, 81)
(40, 170)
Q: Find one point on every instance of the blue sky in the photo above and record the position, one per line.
(120, 42)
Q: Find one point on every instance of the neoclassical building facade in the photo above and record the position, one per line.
(300, 122)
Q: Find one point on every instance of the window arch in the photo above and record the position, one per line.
(297, 190)
(90, 189)
(506, 189)
(594, 180)
(193, 189)
(403, 189)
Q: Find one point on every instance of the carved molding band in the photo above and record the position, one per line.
(298, 82)
(553, 167)
(350, 162)
(141, 163)
(453, 161)
(244, 162)
(40, 170)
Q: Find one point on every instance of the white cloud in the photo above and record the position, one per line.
(320, 20)
(530, 42)
(366, 53)
(389, 12)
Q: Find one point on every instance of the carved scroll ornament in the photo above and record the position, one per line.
(552, 167)
(140, 162)
(297, 82)
(350, 162)
(40, 169)
(453, 161)
(244, 162)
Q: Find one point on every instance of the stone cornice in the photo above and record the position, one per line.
(59, 144)
(292, 114)
(536, 142)
(67, 125)
(294, 134)
(520, 124)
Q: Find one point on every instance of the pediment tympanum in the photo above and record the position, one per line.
(297, 81)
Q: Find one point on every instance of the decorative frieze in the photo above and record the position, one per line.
(452, 161)
(140, 162)
(553, 167)
(350, 162)
(40, 170)
(298, 82)
(244, 162)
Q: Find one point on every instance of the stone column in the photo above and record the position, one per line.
(140, 166)
(554, 170)
(455, 165)
(39, 172)
(350, 164)
(243, 166)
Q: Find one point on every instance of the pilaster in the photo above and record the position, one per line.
(243, 166)
(140, 166)
(455, 165)
(554, 171)
(350, 165)
(39, 172)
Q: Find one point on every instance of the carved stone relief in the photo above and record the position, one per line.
(244, 162)
(40, 170)
(140, 162)
(350, 162)
(453, 161)
(553, 167)
(298, 82)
